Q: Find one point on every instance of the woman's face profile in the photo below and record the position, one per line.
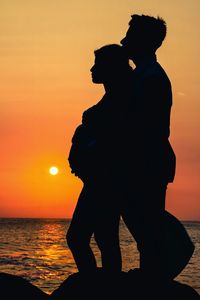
(102, 71)
(97, 71)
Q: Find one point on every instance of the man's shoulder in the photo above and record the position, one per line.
(155, 70)
(154, 76)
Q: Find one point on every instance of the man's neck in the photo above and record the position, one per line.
(141, 60)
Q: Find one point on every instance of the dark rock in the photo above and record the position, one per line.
(15, 287)
(100, 285)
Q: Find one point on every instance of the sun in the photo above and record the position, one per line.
(53, 170)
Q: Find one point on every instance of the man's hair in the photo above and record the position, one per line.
(152, 30)
(113, 54)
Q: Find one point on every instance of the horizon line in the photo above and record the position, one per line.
(65, 218)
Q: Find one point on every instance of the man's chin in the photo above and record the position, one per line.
(94, 80)
(126, 50)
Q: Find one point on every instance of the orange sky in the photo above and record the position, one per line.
(46, 51)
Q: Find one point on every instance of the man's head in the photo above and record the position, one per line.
(144, 36)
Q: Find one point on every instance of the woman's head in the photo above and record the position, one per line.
(111, 64)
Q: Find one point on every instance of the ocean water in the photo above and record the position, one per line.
(36, 249)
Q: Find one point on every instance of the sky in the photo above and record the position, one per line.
(46, 52)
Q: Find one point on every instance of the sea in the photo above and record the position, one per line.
(36, 249)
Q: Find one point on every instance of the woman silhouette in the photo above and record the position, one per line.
(93, 157)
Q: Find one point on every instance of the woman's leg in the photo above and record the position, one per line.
(81, 230)
(107, 238)
(107, 228)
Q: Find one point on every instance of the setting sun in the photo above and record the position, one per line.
(53, 170)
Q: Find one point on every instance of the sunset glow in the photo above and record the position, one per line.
(46, 52)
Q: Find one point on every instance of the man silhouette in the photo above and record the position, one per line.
(148, 158)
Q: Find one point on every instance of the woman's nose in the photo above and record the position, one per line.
(91, 70)
(122, 41)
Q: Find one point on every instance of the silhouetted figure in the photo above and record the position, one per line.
(93, 156)
(121, 152)
(149, 161)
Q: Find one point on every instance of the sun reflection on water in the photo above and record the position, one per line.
(36, 249)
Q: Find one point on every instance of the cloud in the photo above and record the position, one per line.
(181, 94)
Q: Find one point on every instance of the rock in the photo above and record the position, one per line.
(100, 285)
(15, 287)
(96, 286)
(87, 286)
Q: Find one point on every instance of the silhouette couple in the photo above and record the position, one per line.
(121, 152)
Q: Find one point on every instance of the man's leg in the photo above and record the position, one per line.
(144, 217)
